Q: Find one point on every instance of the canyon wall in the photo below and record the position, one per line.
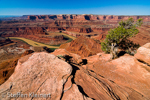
(38, 27)
(85, 17)
(34, 33)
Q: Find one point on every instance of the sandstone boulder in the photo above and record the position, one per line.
(41, 73)
(143, 53)
(41, 76)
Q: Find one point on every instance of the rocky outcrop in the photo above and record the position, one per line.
(124, 78)
(41, 73)
(83, 46)
(143, 53)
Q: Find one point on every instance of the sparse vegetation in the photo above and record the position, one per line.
(120, 35)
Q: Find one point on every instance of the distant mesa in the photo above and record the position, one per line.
(85, 17)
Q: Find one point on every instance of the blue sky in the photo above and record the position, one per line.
(100, 7)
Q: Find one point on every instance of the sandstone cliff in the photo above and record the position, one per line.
(85, 17)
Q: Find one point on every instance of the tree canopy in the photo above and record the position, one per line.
(121, 34)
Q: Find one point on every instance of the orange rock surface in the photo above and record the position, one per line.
(83, 46)
(42, 73)
(124, 78)
(143, 53)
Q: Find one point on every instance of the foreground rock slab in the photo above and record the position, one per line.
(124, 78)
(39, 73)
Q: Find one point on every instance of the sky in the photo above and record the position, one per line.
(98, 7)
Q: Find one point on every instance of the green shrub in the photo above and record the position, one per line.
(121, 35)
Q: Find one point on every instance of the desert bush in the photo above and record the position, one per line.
(121, 35)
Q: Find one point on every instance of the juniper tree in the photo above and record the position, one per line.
(120, 35)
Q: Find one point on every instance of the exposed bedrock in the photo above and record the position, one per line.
(73, 77)
(42, 73)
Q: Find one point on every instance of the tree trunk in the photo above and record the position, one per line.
(113, 51)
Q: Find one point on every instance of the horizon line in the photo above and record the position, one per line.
(72, 14)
